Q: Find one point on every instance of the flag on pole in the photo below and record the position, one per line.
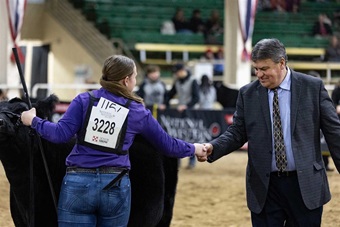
(15, 12)
(247, 11)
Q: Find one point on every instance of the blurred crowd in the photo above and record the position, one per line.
(211, 28)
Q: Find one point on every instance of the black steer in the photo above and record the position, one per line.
(153, 176)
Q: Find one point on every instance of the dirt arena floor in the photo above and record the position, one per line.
(210, 195)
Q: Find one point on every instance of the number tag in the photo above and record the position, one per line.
(105, 123)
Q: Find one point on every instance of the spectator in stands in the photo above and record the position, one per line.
(213, 28)
(333, 50)
(208, 55)
(187, 90)
(207, 94)
(327, 20)
(216, 59)
(152, 89)
(219, 64)
(196, 22)
(322, 27)
(180, 22)
(292, 6)
(278, 5)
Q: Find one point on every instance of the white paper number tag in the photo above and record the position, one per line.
(105, 123)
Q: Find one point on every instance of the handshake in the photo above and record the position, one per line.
(202, 151)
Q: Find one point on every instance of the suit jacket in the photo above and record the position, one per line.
(311, 110)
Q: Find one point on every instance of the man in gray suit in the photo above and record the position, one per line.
(291, 193)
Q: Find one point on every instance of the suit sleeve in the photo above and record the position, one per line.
(330, 125)
(234, 137)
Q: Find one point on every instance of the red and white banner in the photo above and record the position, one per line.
(15, 11)
(247, 11)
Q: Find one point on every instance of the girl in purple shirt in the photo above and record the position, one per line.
(96, 189)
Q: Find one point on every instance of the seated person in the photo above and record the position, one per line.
(180, 22)
(213, 28)
(322, 27)
(196, 22)
(333, 50)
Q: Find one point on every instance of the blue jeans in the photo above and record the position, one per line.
(192, 161)
(82, 201)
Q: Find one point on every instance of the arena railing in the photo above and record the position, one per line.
(144, 48)
(168, 49)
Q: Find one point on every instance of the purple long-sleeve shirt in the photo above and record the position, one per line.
(140, 121)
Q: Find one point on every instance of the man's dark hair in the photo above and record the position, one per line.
(269, 49)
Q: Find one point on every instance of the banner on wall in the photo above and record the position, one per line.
(247, 11)
(15, 12)
(195, 126)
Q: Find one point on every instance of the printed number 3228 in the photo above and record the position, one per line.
(106, 127)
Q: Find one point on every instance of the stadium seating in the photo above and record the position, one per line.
(294, 29)
(141, 21)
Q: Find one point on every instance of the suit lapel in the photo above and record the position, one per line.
(263, 99)
(294, 99)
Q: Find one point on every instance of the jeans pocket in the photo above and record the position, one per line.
(119, 197)
(74, 194)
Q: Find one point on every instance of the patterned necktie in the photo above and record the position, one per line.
(279, 146)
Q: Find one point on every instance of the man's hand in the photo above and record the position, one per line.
(207, 147)
(200, 152)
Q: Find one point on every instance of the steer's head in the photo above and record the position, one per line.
(11, 110)
(10, 117)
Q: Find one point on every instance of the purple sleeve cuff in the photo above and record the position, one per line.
(35, 122)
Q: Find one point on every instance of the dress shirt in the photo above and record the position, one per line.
(284, 94)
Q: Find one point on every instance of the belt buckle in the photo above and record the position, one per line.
(282, 173)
